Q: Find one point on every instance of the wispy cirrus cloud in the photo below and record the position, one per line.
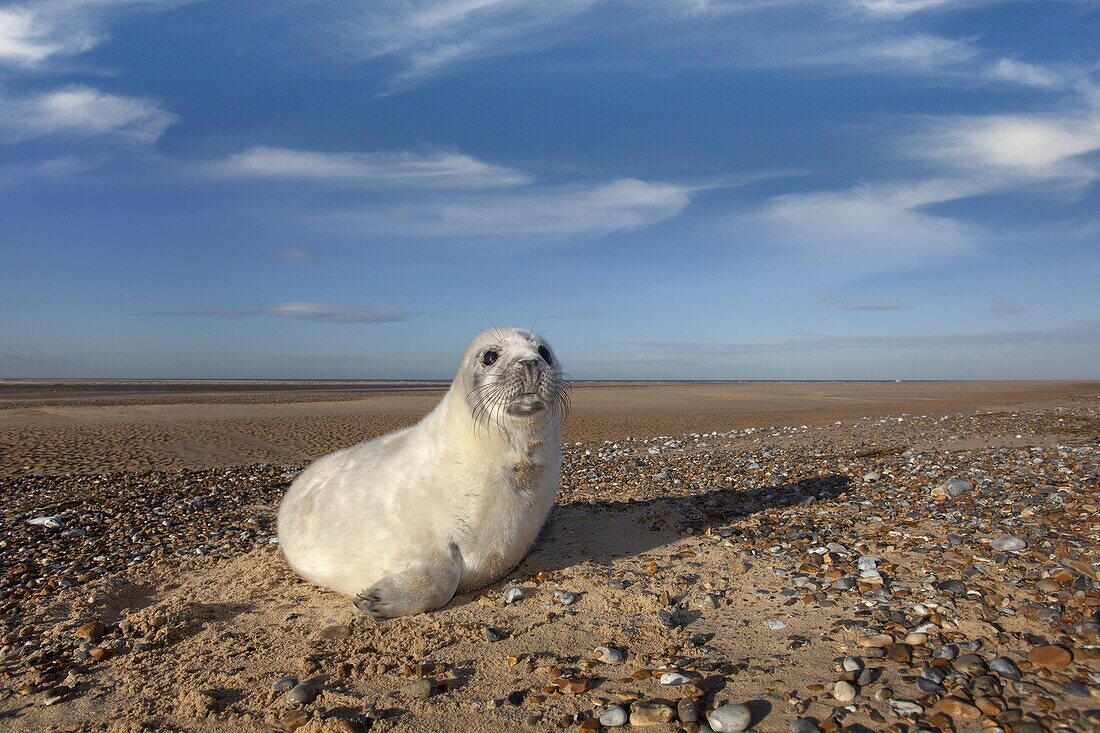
(300, 311)
(538, 211)
(80, 111)
(442, 169)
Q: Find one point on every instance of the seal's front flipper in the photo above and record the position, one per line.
(422, 586)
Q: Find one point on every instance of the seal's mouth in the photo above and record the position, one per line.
(525, 404)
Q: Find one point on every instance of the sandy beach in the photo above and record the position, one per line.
(856, 556)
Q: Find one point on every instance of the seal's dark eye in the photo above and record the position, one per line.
(489, 357)
(545, 354)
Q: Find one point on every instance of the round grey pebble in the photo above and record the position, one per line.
(609, 655)
(954, 587)
(1076, 689)
(283, 684)
(731, 718)
(419, 690)
(514, 594)
(947, 651)
(302, 693)
(970, 664)
(613, 717)
(804, 725)
(844, 691)
(1006, 668)
(846, 582)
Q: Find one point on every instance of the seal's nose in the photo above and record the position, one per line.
(530, 373)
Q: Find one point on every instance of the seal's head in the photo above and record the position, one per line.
(509, 373)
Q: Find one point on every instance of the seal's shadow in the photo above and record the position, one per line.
(603, 531)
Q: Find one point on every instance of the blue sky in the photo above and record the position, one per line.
(666, 188)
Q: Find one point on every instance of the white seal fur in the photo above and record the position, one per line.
(405, 521)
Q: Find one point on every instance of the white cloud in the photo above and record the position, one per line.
(900, 8)
(301, 311)
(33, 34)
(82, 111)
(434, 169)
(544, 211)
(1029, 75)
(870, 228)
(29, 37)
(1017, 149)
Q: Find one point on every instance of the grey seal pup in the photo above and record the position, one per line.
(403, 522)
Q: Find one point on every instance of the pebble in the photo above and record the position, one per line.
(609, 655)
(804, 725)
(846, 582)
(568, 598)
(958, 708)
(1050, 656)
(875, 640)
(674, 679)
(648, 712)
(851, 664)
(687, 711)
(47, 522)
(284, 684)
(730, 718)
(55, 695)
(775, 624)
(613, 717)
(302, 693)
(970, 664)
(954, 587)
(952, 488)
(905, 707)
(492, 635)
(513, 594)
(1008, 543)
(419, 690)
(844, 691)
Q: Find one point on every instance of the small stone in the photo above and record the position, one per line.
(958, 708)
(55, 695)
(952, 587)
(899, 652)
(91, 631)
(302, 693)
(970, 664)
(1050, 656)
(870, 476)
(613, 717)
(687, 711)
(844, 691)
(1008, 543)
(883, 693)
(609, 655)
(952, 488)
(419, 690)
(846, 582)
(875, 640)
(648, 712)
(775, 624)
(285, 684)
(1076, 689)
(804, 725)
(492, 635)
(730, 718)
(905, 707)
(513, 594)
(851, 664)
(674, 678)
(947, 651)
(916, 639)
